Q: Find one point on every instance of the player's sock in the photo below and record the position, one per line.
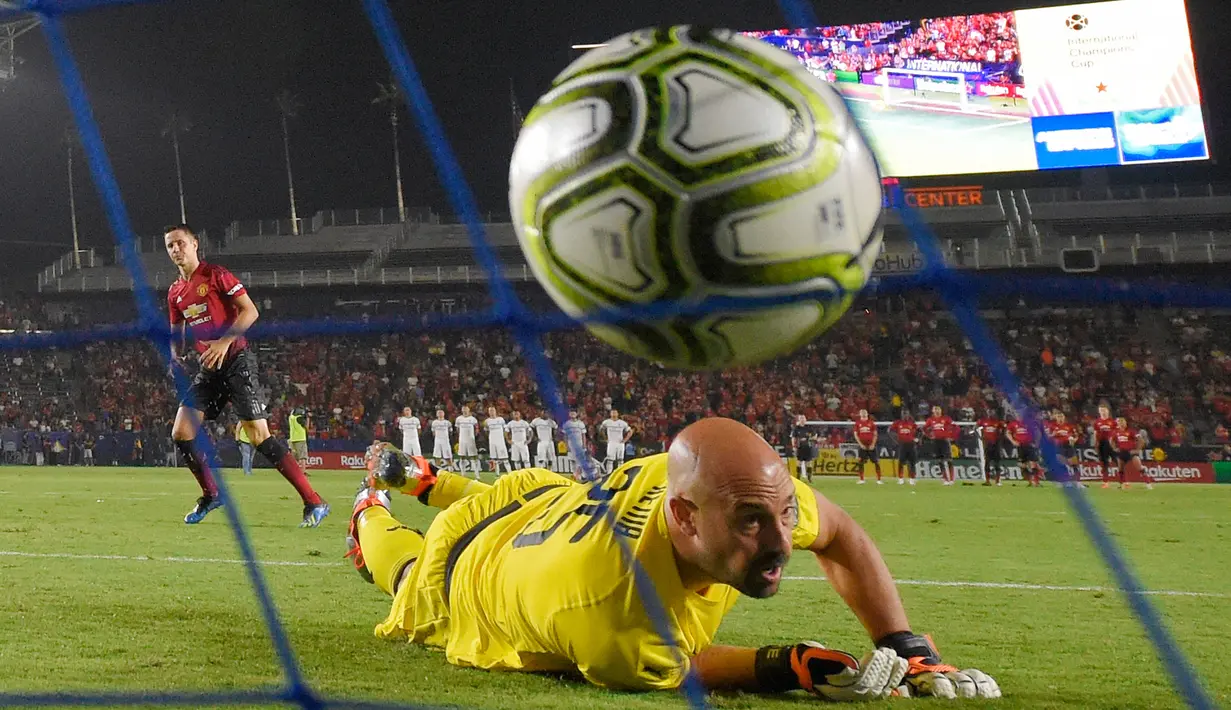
(451, 487)
(198, 466)
(280, 456)
(388, 546)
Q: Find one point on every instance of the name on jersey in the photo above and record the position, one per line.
(632, 523)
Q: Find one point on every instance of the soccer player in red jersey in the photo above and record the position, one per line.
(907, 433)
(990, 428)
(209, 304)
(941, 432)
(1104, 429)
(1128, 444)
(1027, 455)
(1064, 434)
(865, 436)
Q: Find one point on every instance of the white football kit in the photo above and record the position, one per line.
(466, 427)
(440, 435)
(410, 435)
(571, 427)
(519, 432)
(496, 445)
(616, 430)
(544, 436)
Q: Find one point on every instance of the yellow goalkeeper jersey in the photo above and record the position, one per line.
(528, 575)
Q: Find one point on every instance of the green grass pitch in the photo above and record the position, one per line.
(105, 588)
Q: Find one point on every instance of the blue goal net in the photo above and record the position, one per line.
(960, 291)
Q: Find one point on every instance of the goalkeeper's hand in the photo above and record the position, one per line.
(838, 676)
(927, 675)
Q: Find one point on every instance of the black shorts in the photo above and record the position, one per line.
(1026, 453)
(1068, 452)
(805, 453)
(908, 453)
(940, 449)
(1106, 454)
(235, 382)
(1125, 456)
(869, 455)
(993, 451)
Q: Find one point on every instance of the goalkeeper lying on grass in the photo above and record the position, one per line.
(527, 575)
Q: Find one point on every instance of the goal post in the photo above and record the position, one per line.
(919, 87)
(843, 459)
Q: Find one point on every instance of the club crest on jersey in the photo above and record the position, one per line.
(202, 290)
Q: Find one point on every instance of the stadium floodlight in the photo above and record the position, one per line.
(9, 32)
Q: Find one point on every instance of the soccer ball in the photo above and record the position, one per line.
(691, 165)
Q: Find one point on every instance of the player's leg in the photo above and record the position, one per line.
(412, 446)
(314, 507)
(863, 467)
(183, 432)
(875, 457)
(1141, 469)
(1105, 461)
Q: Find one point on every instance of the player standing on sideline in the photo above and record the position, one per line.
(497, 445)
(519, 440)
(1104, 430)
(574, 431)
(1129, 444)
(990, 428)
(940, 432)
(467, 447)
(246, 449)
(865, 436)
(1065, 436)
(521, 575)
(805, 447)
(544, 436)
(297, 434)
(906, 431)
(1027, 455)
(210, 304)
(442, 450)
(617, 432)
(410, 425)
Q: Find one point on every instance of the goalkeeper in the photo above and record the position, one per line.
(527, 574)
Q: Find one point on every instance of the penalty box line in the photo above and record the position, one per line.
(900, 582)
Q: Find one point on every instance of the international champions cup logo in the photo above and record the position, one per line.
(1076, 22)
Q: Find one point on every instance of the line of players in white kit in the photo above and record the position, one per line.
(508, 440)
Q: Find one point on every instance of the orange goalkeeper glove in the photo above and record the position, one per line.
(927, 675)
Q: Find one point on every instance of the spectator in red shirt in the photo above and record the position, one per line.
(940, 432)
(907, 433)
(990, 428)
(865, 436)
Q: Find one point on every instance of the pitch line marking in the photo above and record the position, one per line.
(1030, 587)
(900, 582)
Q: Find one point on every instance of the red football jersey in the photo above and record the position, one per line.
(865, 431)
(990, 428)
(1063, 434)
(939, 427)
(1019, 433)
(905, 430)
(206, 303)
(1104, 429)
(1125, 439)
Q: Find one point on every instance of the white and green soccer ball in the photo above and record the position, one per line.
(688, 164)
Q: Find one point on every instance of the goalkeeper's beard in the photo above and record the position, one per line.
(763, 576)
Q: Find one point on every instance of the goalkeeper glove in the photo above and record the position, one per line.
(826, 673)
(393, 470)
(927, 675)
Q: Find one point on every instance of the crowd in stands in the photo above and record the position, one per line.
(989, 37)
(1170, 374)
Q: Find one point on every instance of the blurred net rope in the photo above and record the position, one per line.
(961, 292)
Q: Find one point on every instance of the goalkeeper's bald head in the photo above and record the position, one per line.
(731, 507)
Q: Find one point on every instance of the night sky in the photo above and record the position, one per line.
(221, 64)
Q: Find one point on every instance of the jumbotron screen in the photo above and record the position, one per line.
(1074, 86)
